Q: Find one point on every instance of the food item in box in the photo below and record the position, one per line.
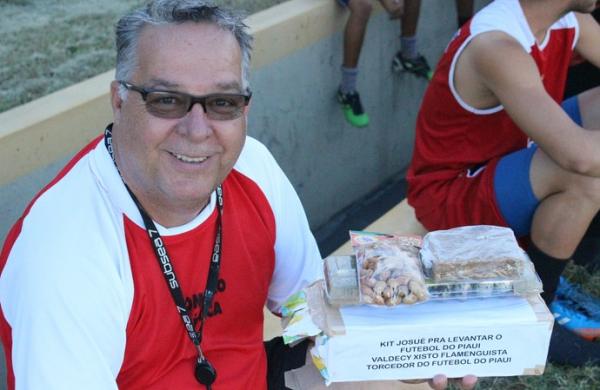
(462, 290)
(472, 253)
(475, 269)
(390, 270)
(341, 282)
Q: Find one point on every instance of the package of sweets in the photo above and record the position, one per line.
(472, 253)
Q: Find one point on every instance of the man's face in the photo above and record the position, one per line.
(175, 164)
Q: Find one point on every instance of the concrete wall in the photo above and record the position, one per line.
(296, 62)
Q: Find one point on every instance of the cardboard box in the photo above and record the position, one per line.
(484, 337)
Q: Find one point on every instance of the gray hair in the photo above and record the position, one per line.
(161, 12)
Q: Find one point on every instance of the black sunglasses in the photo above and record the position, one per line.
(172, 105)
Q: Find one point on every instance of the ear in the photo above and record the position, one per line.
(115, 100)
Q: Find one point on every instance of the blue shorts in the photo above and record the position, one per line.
(512, 186)
(343, 3)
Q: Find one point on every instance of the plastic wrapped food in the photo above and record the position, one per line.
(472, 253)
(341, 280)
(525, 284)
(389, 269)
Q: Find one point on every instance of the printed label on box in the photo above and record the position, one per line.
(425, 352)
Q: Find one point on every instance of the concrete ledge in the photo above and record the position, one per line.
(293, 25)
(37, 133)
(57, 125)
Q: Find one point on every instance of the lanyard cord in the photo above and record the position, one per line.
(164, 261)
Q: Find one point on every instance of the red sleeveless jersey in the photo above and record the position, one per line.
(454, 140)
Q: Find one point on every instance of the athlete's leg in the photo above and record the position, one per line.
(584, 110)
(354, 33)
(347, 95)
(568, 203)
(589, 107)
(517, 199)
(408, 29)
(554, 206)
(561, 202)
(408, 58)
(410, 18)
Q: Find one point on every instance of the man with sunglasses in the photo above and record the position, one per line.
(146, 263)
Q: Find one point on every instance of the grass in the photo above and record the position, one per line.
(50, 44)
(557, 377)
(554, 378)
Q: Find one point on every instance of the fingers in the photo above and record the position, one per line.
(440, 382)
(468, 382)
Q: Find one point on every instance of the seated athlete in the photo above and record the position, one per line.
(494, 145)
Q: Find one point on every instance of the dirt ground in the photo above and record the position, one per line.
(46, 45)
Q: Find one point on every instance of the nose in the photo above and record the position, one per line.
(201, 101)
(195, 124)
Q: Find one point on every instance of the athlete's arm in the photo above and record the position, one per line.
(588, 44)
(589, 47)
(501, 66)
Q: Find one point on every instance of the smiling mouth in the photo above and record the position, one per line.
(188, 159)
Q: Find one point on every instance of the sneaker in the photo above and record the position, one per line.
(575, 296)
(567, 348)
(574, 318)
(353, 109)
(417, 66)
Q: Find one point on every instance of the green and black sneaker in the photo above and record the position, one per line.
(353, 109)
(417, 66)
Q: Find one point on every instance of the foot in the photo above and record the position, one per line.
(417, 66)
(576, 310)
(353, 109)
(567, 348)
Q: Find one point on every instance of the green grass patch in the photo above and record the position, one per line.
(49, 45)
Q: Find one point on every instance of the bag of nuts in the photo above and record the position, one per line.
(389, 268)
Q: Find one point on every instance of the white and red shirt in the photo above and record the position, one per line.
(452, 136)
(85, 304)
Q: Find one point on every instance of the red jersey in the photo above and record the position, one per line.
(455, 141)
(85, 304)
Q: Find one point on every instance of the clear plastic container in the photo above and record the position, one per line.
(387, 259)
(341, 280)
(526, 283)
